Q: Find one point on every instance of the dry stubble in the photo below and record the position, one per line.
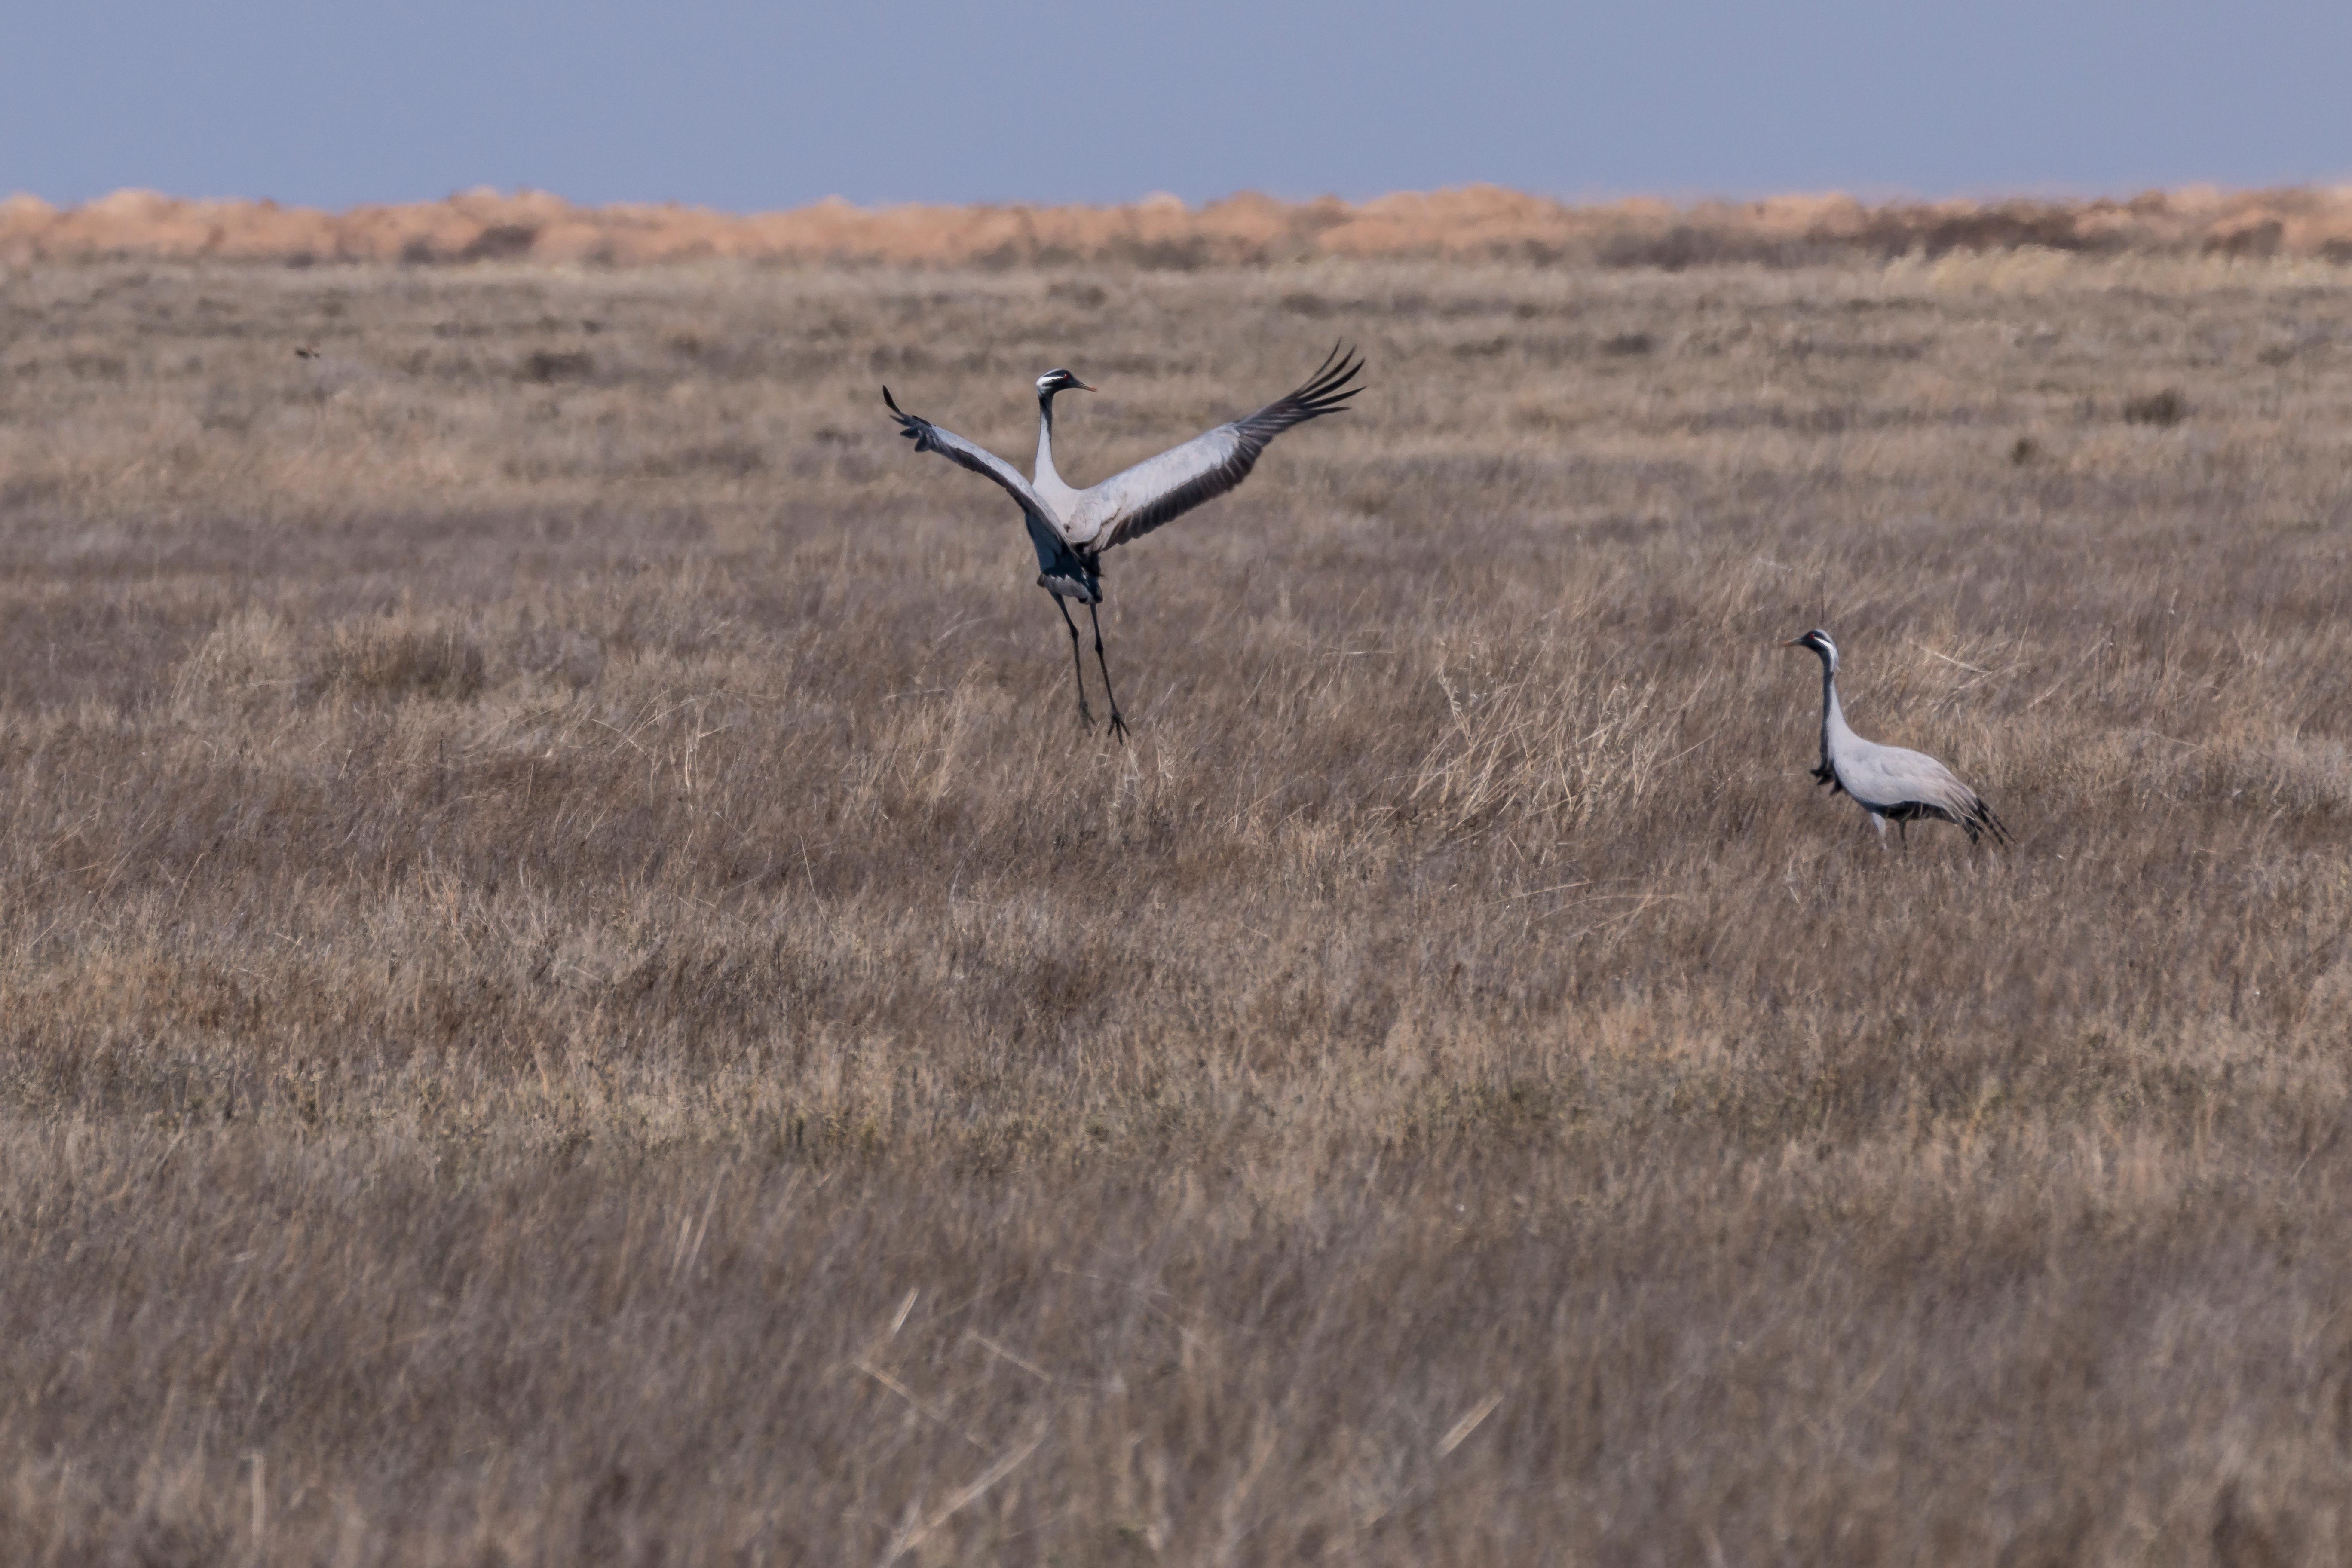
(573, 991)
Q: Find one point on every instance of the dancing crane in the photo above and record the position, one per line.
(1071, 528)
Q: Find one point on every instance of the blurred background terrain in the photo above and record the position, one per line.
(1483, 223)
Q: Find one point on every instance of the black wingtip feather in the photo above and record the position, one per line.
(1327, 391)
(909, 425)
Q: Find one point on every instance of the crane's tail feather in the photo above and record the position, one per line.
(1976, 818)
(1962, 808)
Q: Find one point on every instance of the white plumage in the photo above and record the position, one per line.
(1890, 782)
(1071, 528)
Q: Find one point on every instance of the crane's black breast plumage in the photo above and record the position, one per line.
(1061, 570)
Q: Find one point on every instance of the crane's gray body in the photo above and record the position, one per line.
(1892, 784)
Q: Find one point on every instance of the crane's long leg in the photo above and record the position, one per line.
(1078, 664)
(1117, 724)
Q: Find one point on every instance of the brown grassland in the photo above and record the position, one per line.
(571, 989)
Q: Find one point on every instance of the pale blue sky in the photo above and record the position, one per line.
(748, 107)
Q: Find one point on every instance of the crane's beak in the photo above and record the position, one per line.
(1794, 642)
(1081, 385)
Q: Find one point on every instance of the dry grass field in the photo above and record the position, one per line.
(572, 990)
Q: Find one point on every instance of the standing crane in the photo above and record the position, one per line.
(1889, 783)
(1071, 528)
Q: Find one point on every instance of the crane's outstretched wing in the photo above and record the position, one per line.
(1130, 505)
(928, 438)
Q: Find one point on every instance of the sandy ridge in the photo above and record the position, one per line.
(1249, 228)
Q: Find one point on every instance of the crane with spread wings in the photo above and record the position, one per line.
(1071, 528)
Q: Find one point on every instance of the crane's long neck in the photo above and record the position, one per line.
(1047, 475)
(1833, 725)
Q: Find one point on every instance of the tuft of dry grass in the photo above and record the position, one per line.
(574, 991)
(2161, 408)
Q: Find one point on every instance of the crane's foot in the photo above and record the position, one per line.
(1117, 725)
